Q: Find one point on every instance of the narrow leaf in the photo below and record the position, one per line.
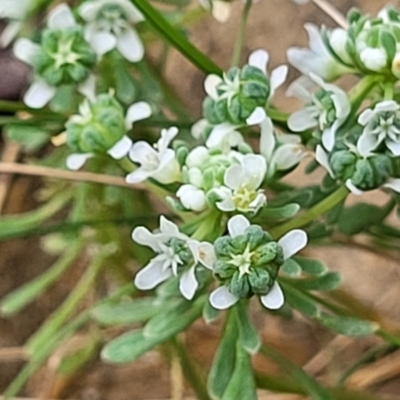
(249, 337)
(348, 325)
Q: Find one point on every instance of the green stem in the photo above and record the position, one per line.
(58, 318)
(175, 37)
(312, 214)
(237, 51)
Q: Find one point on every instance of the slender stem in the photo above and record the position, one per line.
(330, 10)
(312, 214)
(36, 170)
(237, 51)
(177, 40)
(389, 91)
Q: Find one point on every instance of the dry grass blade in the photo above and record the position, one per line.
(10, 154)
(23, 169)
(13, 354)
(330, 10)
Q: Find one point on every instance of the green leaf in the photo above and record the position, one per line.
(210, 314)
(241, 385)
(348, 325)
(127, 312)
(300, 301)
(223, 365)
(31, 137)
(176, 38)
(249, 337)
(329, 281)
(388, 42)
(312, 267)
(291, 267)
(360, 217)
(287, 211)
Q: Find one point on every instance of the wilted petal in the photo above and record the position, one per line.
(39, 94)
(274, 299)
(256, 117)
(221, 10)
(237, 225)
(188, 284)
(76, 161)
(293, 242)
(259, 59)
(121, 148)
(137, 112)
(221, 298)
(61, 17)
(152, 275)
(25, 50)
(130, 45)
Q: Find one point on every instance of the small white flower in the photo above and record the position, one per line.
(157, 162)
(109, 26)
(380, 124)
(168, 260)
(317, 59)
(291, 243)
(327, 110)
(243, 181)
(192, 198)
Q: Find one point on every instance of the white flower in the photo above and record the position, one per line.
(317, 59)
(380, 124)
(192, 198)
(291, 243)
(157, 162)
(258, 59)
(327, 110)
(41, 92)
(281, 151)
(109, 26)
(241, 185)
(136, 112)
(174, 250)
(15, 11)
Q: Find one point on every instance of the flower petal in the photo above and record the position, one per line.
(293, 242)
(234, 177)
(210, 85)
(267, 139)
(143, 236)
(10, 32)
(130, 45)
(393, 184)
(256, 117)
(89, 10)
(138, 175)
(151, 275)
(221, 298)
(188, 284)
(88, 87)
(137, 112)
(141, 151)
(102, 42)
(39, 94)
(170, 229)
(353, 188)
(121, 148)
(274, 299)
(366, 116)
(204, 253)
(76, 161)
(61, 17)
(322, 158)
(278, 77)
(237, 225)
(328, 138)
(219, 133)
(287, 156)
(302, 120)
(259, 59)
(25, 50)
(366, 143)
(393, 147)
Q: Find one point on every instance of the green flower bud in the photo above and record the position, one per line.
(260, 281)
(64, 57)
(223, 247)
(343, 164)
(269, 252)
(372, 172)
(181, 249)
(240, 286)
(256, 236)
(224, 270)
(100, 125)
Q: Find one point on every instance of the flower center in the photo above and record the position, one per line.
(242, 261)
(243, 197)
(112, 18)
(64, 54)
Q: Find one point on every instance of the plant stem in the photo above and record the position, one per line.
(312, 214)
(237, 51)
(177, 40)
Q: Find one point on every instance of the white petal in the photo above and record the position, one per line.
(386, 106)
(393, 184)
(274, 299)
(204, 253)
(287, 156)
(254, 169)
(39, 94)
(256, 117)
(234, 177)
(218, 134)
(167, 135)
(366, 116)
(192, 198)
(210, 85)
(144, 237)
(168, 228)
(322, 158)
(138, 175)
(293, 242)
(366, 143)
(130, 45)
(141, 151)
(373, 59)
(89, 10)
(259, 59)
(302, 120)
(267, 139)
(25, 50)
(88, 87)
(221, 298)
(121, 148)
(61, 17)
(353, 189)
(328, 138)
(227, 204)
(278, 77)
(188, 284)
(393, 147)
(137, 112)
(102, 42)
(237, 225)
(152, 275)
(10, 32)
(301, 88)
(76, 161)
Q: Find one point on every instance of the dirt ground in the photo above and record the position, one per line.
(273, 25)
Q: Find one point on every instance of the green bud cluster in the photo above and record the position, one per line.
(180, 249)
(64, 57)
(241, 91)
(248, 264)
(100, 125)
(324, 98)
